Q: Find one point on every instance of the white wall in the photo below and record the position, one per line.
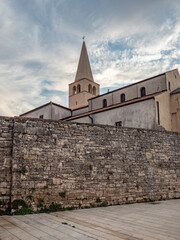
(138, 115)
(79, 111)
(49, 111)
(59, 112)
(153, 85)
(82, 120)
(45, 111)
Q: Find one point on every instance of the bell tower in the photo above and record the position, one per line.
(84, 87)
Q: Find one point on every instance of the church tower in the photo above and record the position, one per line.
(84, 87)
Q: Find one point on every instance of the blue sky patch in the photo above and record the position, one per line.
(33, 64)
(119, 46)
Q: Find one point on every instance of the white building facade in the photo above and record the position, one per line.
(153, 103)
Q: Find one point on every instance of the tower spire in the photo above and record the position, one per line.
(84, 68)
(84, 87)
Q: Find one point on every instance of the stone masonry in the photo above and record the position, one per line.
(6, 146)
(45, 162)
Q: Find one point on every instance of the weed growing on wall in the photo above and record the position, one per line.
(20, 207)
(22, 171)
(62, 194)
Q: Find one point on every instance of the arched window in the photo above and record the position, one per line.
(74, 90)
(123, 99)
(104, 103)
(143, 92)
(90, 88)
(78, 88)
(94, 90)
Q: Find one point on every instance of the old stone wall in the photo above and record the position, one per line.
(83, 165)
(6, 136)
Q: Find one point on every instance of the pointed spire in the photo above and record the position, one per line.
(84, 68)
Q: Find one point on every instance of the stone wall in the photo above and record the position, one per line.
(83, 165)
(6, 136)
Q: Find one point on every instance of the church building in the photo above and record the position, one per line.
(153, 103)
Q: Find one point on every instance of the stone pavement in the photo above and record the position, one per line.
(155, 220)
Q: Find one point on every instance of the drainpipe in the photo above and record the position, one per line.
(92, 120)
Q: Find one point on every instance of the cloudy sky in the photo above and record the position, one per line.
(40, 43)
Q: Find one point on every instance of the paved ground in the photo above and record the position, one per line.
(159, 220)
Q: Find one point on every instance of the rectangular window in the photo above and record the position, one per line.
(158, 113)
(169, 86)
(119, 124)
(41, 116)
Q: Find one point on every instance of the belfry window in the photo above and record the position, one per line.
(74, 90)
(90, 88)
(78, 88)
(94, 90)
(143, 92)
(104, 103)
(123, 98)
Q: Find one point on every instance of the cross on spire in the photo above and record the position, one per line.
(83, 38)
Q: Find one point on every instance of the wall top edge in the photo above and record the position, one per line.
(25, 119)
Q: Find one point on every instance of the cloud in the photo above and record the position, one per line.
(40, 45)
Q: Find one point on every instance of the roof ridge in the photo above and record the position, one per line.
(44, 105)
(146, 79)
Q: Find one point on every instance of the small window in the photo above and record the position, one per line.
(78, 88)
(104, 103)
(90, 88)
(158, 113)
(119, 124)
(169, 84)
(94, 90)
(74, 90)
(41, 116)
(123, 97)
(143, 92)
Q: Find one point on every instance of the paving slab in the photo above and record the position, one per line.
(148, 221)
